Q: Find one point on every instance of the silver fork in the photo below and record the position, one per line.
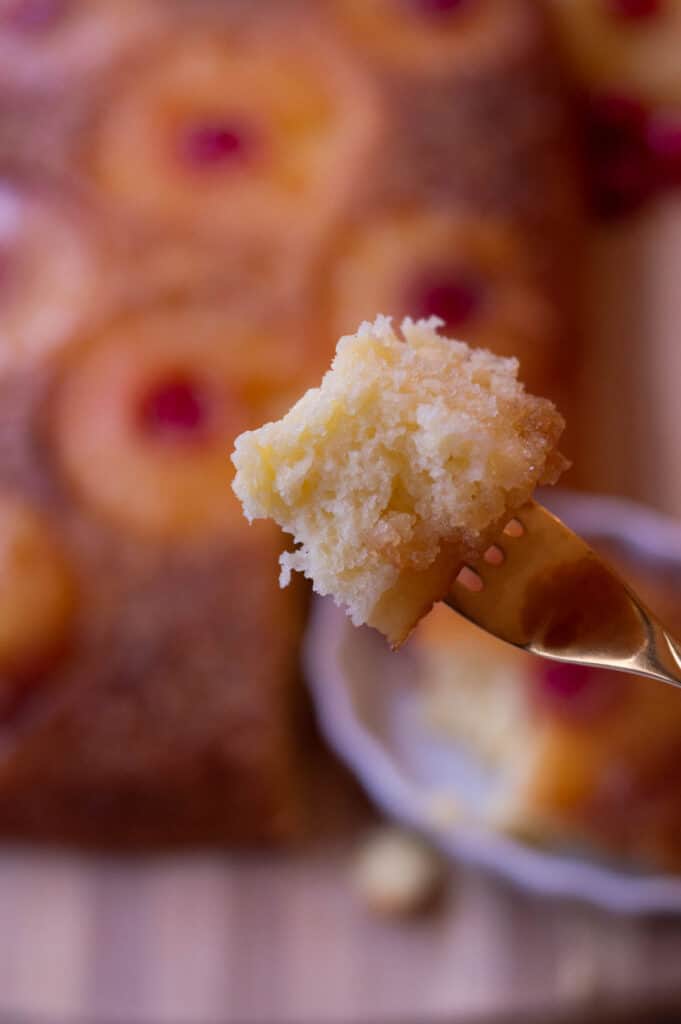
(542, 588)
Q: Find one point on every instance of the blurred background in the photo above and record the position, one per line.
(197, 198)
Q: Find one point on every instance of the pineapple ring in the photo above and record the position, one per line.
(433, 37)
(48, 43)
(471, 273)
(48, 275)
(612, 46)
(144, 412)
(251, 138)
(36, 590)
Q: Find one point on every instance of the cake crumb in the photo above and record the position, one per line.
(396, 873)
(407, 460)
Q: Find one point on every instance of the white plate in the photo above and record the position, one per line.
(371, 718)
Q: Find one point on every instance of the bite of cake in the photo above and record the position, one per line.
(407, 460)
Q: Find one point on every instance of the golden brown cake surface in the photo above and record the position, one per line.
(188, 194)
(171, 721)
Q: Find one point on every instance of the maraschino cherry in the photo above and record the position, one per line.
(453, 294)
(216, 144)
(175, 409)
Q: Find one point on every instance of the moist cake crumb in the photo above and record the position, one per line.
(413, 451)
(396, 873)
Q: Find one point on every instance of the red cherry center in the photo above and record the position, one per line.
(453, 294)
(664, 141)
(175, 409)
(216, 144)
(565, 682)
(575, 692)
(615, 122)
(35, 15)
(634, 10)
(621, 172)
(436, 8)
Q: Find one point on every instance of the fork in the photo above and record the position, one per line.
(542, 588)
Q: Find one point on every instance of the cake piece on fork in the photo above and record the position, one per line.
(405, 463)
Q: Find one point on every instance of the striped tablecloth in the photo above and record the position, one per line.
(284, 938)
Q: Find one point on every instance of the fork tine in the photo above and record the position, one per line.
(554, 596)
